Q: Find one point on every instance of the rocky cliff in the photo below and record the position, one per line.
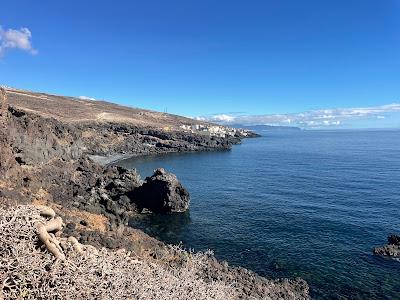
(68, 127)
(47, 145)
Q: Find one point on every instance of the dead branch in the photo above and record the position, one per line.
(46, 211)
(51, 243)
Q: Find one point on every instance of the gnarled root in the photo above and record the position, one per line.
(54, 225)
(75, 244)
(43, 231)
(46, 211)
(53, 244)
(50, 241)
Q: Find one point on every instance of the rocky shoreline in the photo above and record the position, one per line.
(391, 249)
(47, 157)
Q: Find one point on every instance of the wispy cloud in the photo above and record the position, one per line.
(86, 98)
(16, 39)
(309, 119)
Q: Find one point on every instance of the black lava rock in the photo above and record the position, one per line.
(162, 192)
(394, 239)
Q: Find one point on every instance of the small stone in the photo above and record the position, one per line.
(71, 226)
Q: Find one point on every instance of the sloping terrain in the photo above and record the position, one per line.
(45, 147)
(85, 272)
(69, 127)
(70, 109)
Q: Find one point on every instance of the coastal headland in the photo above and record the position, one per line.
(55, 152)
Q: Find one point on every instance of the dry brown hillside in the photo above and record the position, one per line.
(70, 109)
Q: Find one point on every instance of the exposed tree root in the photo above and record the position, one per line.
(55, 245)
(80, 272)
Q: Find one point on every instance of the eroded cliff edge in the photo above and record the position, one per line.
(66, 127)
(46, 142)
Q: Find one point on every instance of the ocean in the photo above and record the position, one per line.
(308, 204)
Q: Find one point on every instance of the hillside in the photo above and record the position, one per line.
(106, 131)
(74, 110)
(47, 145)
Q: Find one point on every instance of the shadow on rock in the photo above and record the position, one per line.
(160, 193)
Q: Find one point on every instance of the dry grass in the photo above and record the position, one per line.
(74, 110)
(3, 184)
(39, 201)
(88, 134)
(41, 197)
(30, 272)
(95, 222)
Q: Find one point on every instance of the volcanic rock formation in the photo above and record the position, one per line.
(47, 144)
(162, 192)
(392, 249)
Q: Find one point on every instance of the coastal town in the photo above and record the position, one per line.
(215, 130)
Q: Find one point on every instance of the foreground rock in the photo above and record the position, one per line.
(69, 269)
(391, 250)
(112, 191)
(162, 192)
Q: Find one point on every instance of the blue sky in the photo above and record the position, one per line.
(210, 57)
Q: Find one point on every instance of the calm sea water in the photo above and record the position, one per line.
(311, 204)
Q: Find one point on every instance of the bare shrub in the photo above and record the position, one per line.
(29, 271)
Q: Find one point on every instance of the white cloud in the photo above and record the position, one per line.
(222, 118)
(16, 39)
(309, 119)
(199, 118)
(86, 98)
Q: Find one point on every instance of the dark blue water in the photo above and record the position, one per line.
(311, 204)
